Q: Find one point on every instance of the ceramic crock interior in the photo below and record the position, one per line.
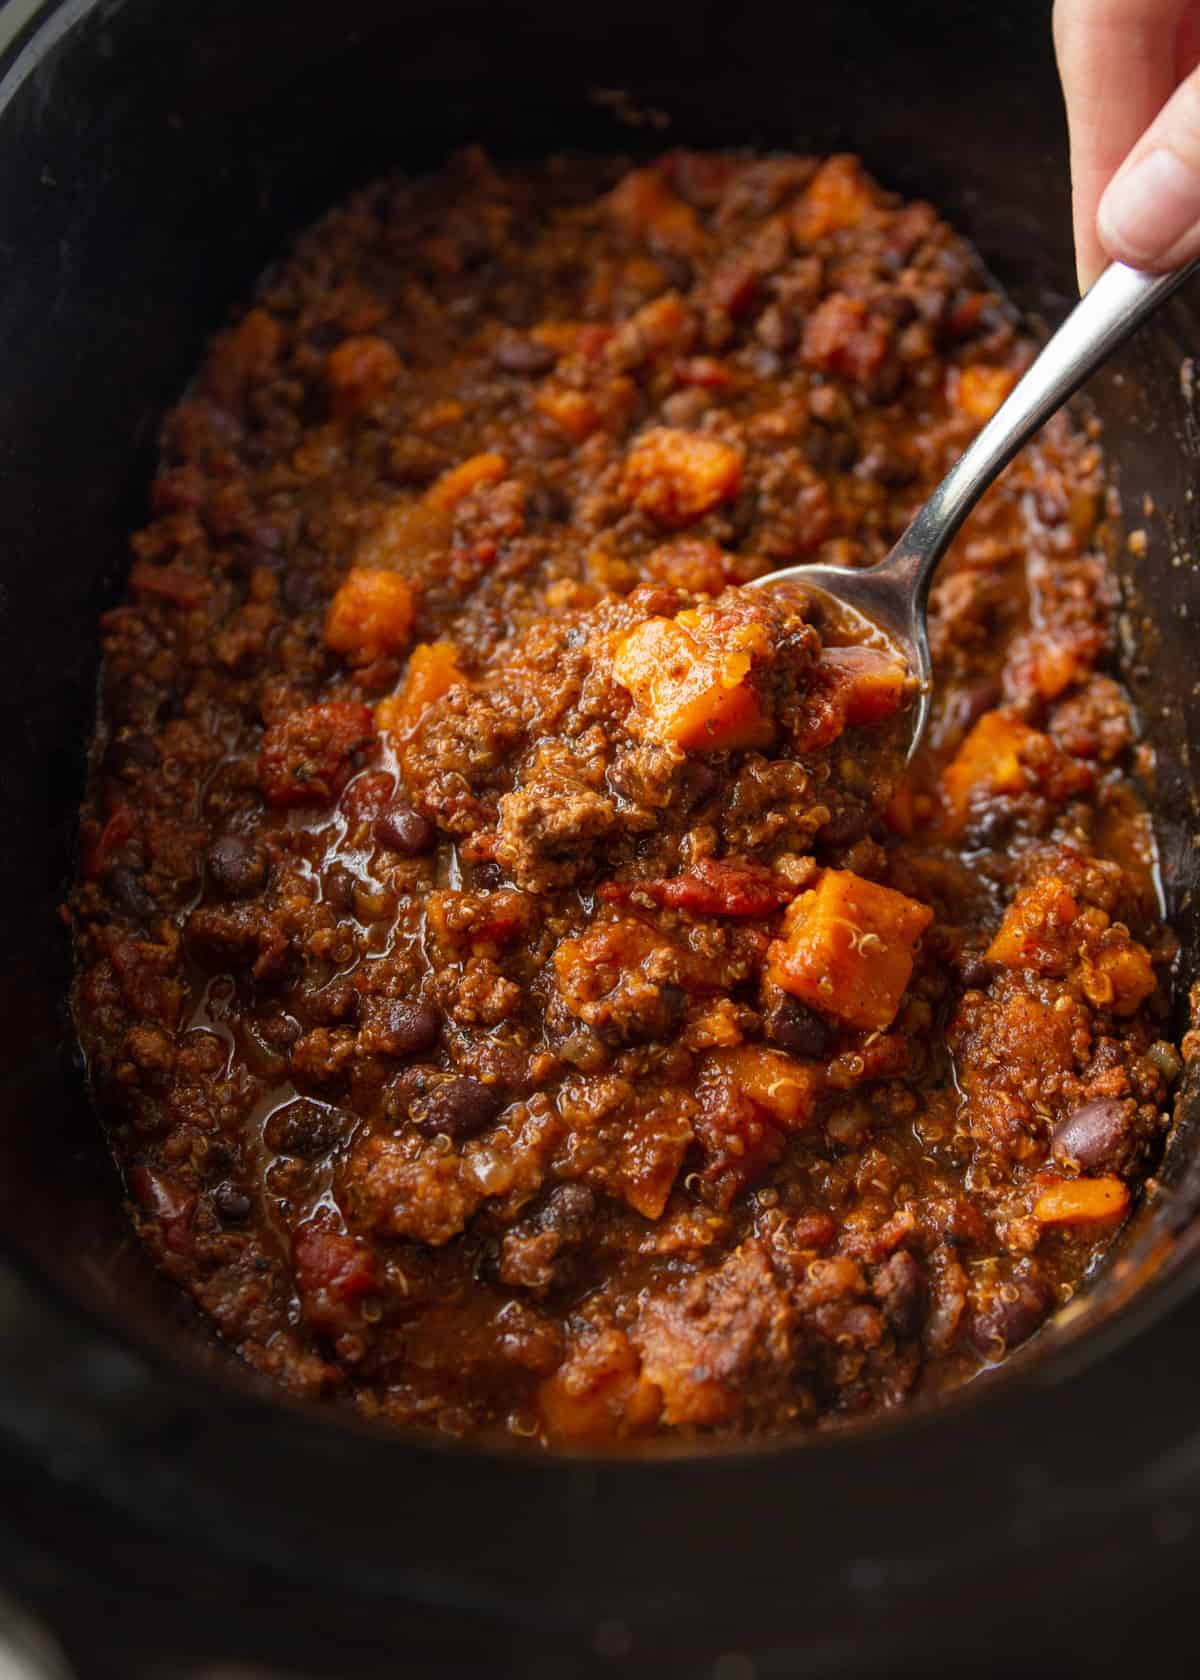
(153, 158)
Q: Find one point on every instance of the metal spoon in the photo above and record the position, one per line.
(894, 594)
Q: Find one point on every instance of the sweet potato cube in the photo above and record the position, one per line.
(432, 671)
(599, 1394)
(358, 372)
(452, 486)
(779, 1084)
(870, 682)
(1082, 1201)
(643, 206)
(370, 615)
(989, 759)
(687, 693)
(838, 196)
(1038, 930)
(1118, 976)
(676, 476)
(980, 390)
(574, 411)
(847, 948)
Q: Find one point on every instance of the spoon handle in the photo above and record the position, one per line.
(1115, 307)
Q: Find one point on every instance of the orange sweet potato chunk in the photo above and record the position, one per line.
(599, 1394)
(980, 390)
(432, 671)
(1119, 976)
(687, 693)
(676, 476)
(453, 485)
(1038, 930)
(1082, 1201)
(779, 1084)
(370, 615)
(990, 759)
(847, 948)
(838, 196)
(358, 372)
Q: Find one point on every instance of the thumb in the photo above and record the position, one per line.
(1149, 215)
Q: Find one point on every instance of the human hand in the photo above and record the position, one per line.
(1132, 87)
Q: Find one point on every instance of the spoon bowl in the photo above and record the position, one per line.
(893, 595)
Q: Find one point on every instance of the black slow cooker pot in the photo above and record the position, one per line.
(154, 154)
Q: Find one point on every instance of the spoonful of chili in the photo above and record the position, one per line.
(893, 595)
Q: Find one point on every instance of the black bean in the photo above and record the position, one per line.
(238, 866)
(129, 895)
(393, 1027)
(678, 270)
(302, 592)
(486, 876)
(130, 754)
(975, 971)
(700, 782)
(795, 1028)
(1009, 1316)
(844, 826)
(337, 886)
(231, 1203)
(403, 830)
(569, 1211)
(304, 1128)
(1097, 1135)
(459, 1107)
(514, 353)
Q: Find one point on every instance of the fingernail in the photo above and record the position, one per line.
(1149, 206)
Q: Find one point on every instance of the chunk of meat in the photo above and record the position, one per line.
(309, 755)
(847, 948)
(627, 981)
(726, 1331)
(675, 476)
(371, 615)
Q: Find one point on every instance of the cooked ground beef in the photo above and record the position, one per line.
(524, 987)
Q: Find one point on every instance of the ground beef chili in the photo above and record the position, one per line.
(523, 989)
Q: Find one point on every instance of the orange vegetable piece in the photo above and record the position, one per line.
(847, 948)
(646, 208)
(573, 410)
(1038, 929)
(786, 1088)
(980, 390)
(1118, 977)
(990, 759)
(432, 671)
(838, 196)
(358, 371)
(370, 615)
(676, 476)
(687, 693)
(1082, 1201)
(599, 1394)
(245, 353)
(452, 486)
(870, 682)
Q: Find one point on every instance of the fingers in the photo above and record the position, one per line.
(1150, 213)
(1119, 66)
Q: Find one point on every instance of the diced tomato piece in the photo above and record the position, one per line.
(847, 948)
(712, 887)
(308, 756)
(330, 1261)
(371, 615)
(843, 336)
(870, 681)
(120, 827)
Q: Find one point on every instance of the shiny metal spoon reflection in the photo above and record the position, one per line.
(894, 594)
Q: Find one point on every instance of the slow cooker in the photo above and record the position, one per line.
(162, 1514)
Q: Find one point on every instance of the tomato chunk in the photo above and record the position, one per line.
(847, 948)
(309, 756)
(712, 887)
